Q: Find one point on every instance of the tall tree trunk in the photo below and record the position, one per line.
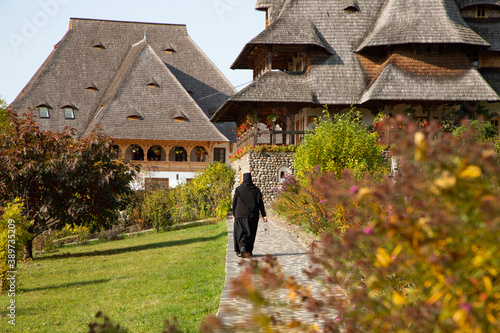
(28, 249)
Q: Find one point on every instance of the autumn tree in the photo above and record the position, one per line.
(3, 116)
(60, 179)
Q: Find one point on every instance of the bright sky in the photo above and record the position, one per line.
(30, 29)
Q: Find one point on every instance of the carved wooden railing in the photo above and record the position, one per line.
(172, 166)
(270, 137)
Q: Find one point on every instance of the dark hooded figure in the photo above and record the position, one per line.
(247, 202)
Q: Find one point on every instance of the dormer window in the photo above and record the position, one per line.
(69, 112)
(43, 111)
(179, 117)
(169, 49)
(98, 45)
(481, 11)
(351, 7)
(153, 84)
(91, 87)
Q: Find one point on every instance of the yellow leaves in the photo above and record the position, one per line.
(460, 316)
(362, 193)
(396, 251)
(435, 297)
(398, 299)
(383, 258)
(472, 171)
(487, 283)
(420, 146)
(446, 181)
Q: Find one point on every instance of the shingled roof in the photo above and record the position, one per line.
(420, 21)
(94, 67)
(340, 34)
(133, 108)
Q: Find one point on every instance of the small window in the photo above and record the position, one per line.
(474, 58)
(220, 155)
(481, 11)
(43, 111)
(69, 112)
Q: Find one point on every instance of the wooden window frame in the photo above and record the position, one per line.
(218, 153)
(481, 11)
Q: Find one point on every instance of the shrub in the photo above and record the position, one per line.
(344, 143)
(135, 210)
(301, 203)
(484, 130)
(156, 208)
(13, 235)
(423, 257)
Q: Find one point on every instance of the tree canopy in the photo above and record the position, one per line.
(59, 179)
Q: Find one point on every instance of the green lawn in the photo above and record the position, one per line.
(138, 282)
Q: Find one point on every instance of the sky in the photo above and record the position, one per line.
(30, 29)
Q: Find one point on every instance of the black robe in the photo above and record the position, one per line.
(247, 202)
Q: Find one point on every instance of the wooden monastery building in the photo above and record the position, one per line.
(147, 85)
(387, 56)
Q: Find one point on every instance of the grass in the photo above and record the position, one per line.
(137, 282)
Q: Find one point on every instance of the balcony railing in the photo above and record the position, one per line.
(172, 166)
(270, 137)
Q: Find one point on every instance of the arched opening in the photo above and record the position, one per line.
(283, 173)
(178, 154)
(135, 153)
(199, 154)
(156, 153)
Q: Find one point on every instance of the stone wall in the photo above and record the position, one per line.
(266, 169)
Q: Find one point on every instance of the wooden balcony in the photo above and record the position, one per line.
(172, 166)
(270, 137)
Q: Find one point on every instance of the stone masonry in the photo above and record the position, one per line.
(266, 169)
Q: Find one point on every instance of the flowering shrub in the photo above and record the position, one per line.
(247, 124)
(261, 149)
(423, 257)
(301, 203)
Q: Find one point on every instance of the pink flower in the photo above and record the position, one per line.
(368, 231)
(354, 189)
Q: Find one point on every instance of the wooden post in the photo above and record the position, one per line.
(255, 125)
(292, 121)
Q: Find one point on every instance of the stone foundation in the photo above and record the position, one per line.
(266, 169)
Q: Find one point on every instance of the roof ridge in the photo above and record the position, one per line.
(123, 21)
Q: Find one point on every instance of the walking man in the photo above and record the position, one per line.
(247, 202)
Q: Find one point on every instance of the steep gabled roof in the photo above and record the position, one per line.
(420, 21)
(156, 107)
(91, 54)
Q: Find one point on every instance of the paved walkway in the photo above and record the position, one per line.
(278, 242)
